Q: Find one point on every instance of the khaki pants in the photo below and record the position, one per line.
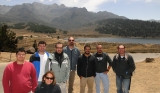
(71, 81)
(86, 80)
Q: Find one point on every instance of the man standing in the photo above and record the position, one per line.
(73, 54)
(39, 60)
(59, 63)
(86, 70)
(101, 69)
(123, 65)
(19, 76)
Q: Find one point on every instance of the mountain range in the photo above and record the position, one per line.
(58, 16)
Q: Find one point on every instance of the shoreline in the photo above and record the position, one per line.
(126, 40)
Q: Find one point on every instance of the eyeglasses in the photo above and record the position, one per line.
(21, 54)
(70, 40)
(120, 48)
(49, 78)
(59, 47)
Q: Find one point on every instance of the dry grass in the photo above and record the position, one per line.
(107, 47)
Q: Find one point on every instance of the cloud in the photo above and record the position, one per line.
(41, 0)
(148, 0)
(91, 5)
(8, 0)
(115, 1)
(145, 0)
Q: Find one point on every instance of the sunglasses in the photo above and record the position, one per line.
(49, 78)
(70, 40)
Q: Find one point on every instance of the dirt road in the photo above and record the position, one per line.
(2, 66)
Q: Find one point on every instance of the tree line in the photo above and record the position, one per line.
(129, 28)
(34, 27)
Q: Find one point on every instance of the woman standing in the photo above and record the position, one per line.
(48, 84)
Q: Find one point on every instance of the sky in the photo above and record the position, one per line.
(132, 9)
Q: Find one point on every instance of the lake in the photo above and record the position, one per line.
(120, 40)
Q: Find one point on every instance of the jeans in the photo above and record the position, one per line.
(105, 82)
(122, 84)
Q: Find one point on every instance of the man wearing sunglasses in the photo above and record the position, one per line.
(73, 53)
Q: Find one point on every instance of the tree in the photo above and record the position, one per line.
(20, 37)
(58, 37)
(65, 32)
(35, 45)
(8, 39)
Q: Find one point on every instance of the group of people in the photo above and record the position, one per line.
(50, 72)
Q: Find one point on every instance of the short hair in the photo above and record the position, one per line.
(98, 45)
(58, 43)
(120, 45)
(70, 37)
(42, 42)
(20, 50)
(49, 72)
(87, 45)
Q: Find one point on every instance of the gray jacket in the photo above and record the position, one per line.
(73, 56)
(61, 73)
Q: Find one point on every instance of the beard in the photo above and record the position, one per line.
(71, 44)
(87, 53)
(99, 52)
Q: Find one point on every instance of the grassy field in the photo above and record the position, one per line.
(51, 39)
(107, 47)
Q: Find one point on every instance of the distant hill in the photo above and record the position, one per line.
(58, 16)
(4, 9)
(129, 28)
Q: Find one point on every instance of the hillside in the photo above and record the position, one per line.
(129, 28)
(58, 16)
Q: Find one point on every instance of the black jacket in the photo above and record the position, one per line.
(86, 66)
(101, 62)
(123, 66)
(43, 88)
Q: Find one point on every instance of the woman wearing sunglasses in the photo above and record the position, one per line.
(48, 84)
